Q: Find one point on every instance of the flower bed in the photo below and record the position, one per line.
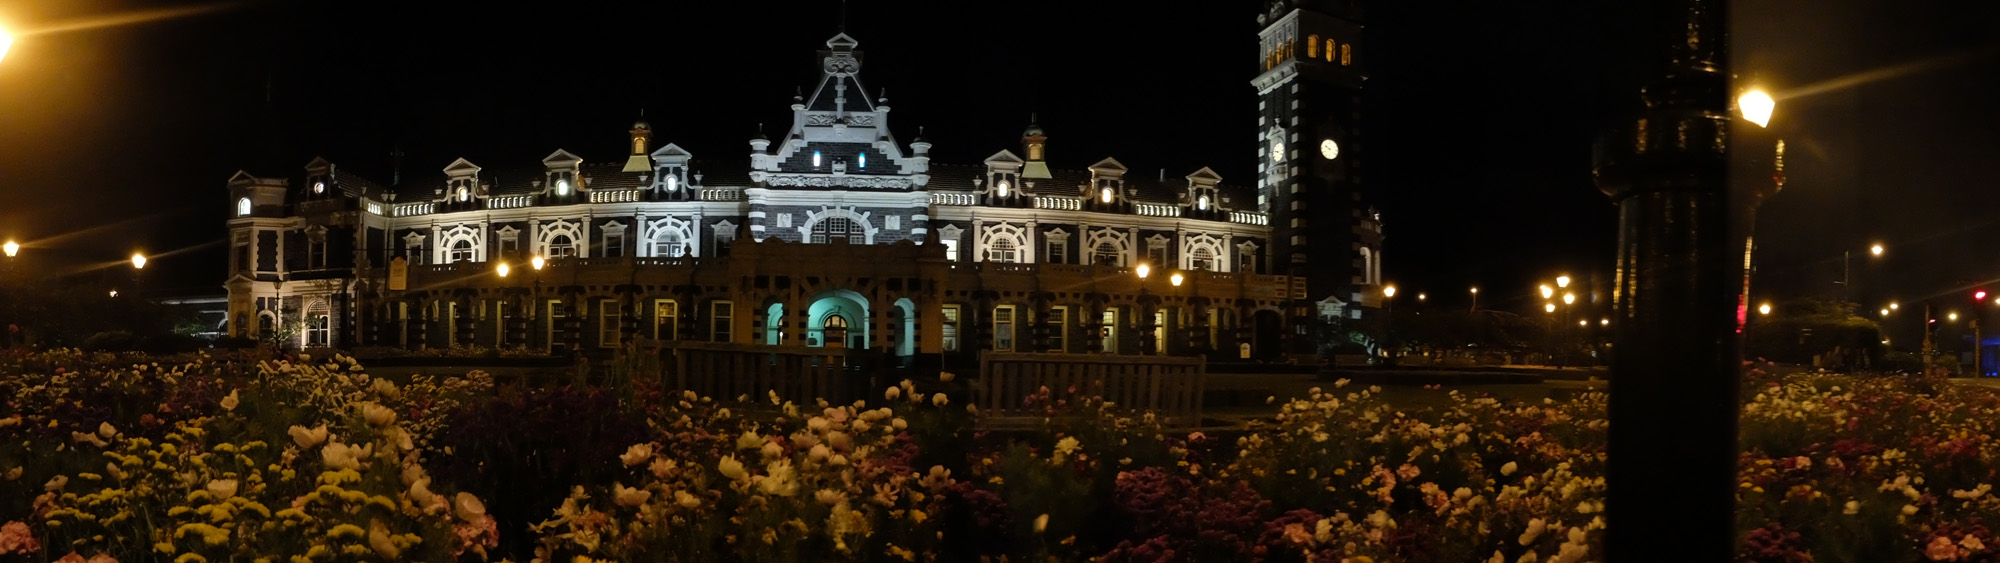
(213, 459)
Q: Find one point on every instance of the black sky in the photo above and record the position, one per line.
(1481, 115)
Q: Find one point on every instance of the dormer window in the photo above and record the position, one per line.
(1001, 188)
(1201, 203)
(864, 160)
(319, 187)
(815, 159)
(672, 182)
(464, 194)
(243, 207)
(1105, 195)
(562, 187)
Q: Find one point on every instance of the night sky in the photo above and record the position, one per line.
(1480, 118)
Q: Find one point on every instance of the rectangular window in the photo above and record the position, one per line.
(510, 247)
(1059, 328)
(719, 315)
(666, 320)
(503, 317)
(451, 324)
(242, 257)
(722, 241)
(1160, 331)
(562, 248)
(403, 324)
(1057, 250)
(614, 245)
(1108, 334)
(607, 323)
(950, 328)
(315, 254)
(555, 315)
(415, 255)
(462, 252)
(1156, 253)
(1106, 254)
(1003, 328)
(950, 250)
(1246, 262)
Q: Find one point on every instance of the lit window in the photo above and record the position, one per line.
(1106, 253)
(950, 250)
(1312, 46)
(1201, 203)
(614, 245)
(607, 323)
(464, 194)
(562, 187)
(670, 244)
(951, 328)
(1346, 54)
(461, 251)
(1104, 194)
(864, 160)
(243, 207)
(815, 159)
(672, 182)
(666, 314)
(1003, 328)
(319, 326)
(719, 315)
(837, 228)
(1246, 262)
(319, 187)
(1329, 50)
(1001, 187)
(1058, 251)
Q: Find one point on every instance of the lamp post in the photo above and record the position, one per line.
(535, 303)
(1475, 299)
(1148, 339)
(1682, 237)
(1847, 270)
(1179, 330)
(1388, 321)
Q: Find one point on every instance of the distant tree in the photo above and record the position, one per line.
(1806, 329)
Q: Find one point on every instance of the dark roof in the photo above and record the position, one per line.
(354, 185)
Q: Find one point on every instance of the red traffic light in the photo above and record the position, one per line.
(1979, 294)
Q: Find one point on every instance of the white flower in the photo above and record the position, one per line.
(830, 497)
(772, 450)
(1508, 469)
(377, 415)
(420, 492)
(1853, 507)
(629, 496)
(732, 468)
(749, 440)
(105, 430)
(819, 452)
(308, 438)
(637, 454)
(380, 539)
(663, 467)
(939, 400)
(222, 489)
(1066, 446)
(469, 507)
(1041, 523)
(1535, 529)
(385, 388)
(343, 456)
(229, 403)
(778, 479)
(686, 500)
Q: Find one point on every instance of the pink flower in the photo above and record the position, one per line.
(15, 537)
(1408, 472)
(1296, 533)
(1941, 549)
(72, 558)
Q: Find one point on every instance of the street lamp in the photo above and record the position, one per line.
(12, 247)
(138, 261)
(503, 269)
(1756, 107)
(1176, 279)
(1562, 281)
(1389, 291)
(1764, 309)
(1875, 250)
(1144, 270)
(1548, 292)
(1885, 312)
(1551, 307)
(1569, 299)
(538, 262)
(1475, 298)
(1893, 306)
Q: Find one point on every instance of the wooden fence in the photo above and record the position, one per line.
(1169, 386)
(797, 373)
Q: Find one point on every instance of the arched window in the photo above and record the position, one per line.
(461, 251)
(464, 194)
(1105, 194)
(670, 244)
(1346, 54)
(319, 325)
(672, 182)
(561, 246)
(1312, 46)
(838, 227)
(1201, 258)
(1329, 50)
(1002, 250)
(1106, 253)
(562, 187)
(243, 207)
(815, 159)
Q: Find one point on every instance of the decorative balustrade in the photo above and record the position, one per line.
(509, 201)
(1058, 202)
(374, 207)
(1249, 218)
(1157, 210)
(721, 194)
(614, 196)
(938, 198)
(412, 209)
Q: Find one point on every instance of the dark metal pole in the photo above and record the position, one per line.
(1681, 253)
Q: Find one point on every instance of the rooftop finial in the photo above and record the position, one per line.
(843, 16)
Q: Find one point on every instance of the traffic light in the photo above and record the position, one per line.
(1979, 295)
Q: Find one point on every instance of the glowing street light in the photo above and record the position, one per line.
(1548, 292)
(1389, 291)
(1175, 279)
(1876, 249)
(1764, 309)
(1420, 297)
(1604, 322)
(1756, 107)
(1569, 299)
(1885, 312)
(138, 261)
(1562, 281)
(1144, 270)
(1893, 306)
(1951, 316)
(503, 269)
(538, 262)
(1583, 323)
(12, 247)
(1549, 307)
(6, 41)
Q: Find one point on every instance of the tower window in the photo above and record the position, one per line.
(815, 159)
(1001, 187)
(461, 251)
(1104, 194)
(562, 187)
(464, 194)
(864, 160)
(243, 207)
(1312, 46)
(1201, 203)
(319, 187)
(1346, 54)
(1329, 50)
(1107, 254)
(1201, 259)
(1002, 250)
(672, 182)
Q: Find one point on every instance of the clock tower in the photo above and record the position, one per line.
(1310, 153)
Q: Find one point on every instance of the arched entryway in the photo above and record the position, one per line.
(845, 312)
(904, 317)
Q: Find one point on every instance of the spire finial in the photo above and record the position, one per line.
(843, 16)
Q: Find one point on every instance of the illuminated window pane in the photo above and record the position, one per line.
(1312, 46)
(1346, 54)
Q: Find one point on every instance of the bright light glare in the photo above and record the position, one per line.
(1176, 279)
(1562, 281)
(1144, 270)
(1548, 292)
(138, 261)
(1885, 312)
(1549, 307)
(1893, 306)
(6, 41)
(1875, 250)
(1569, 298)
(1951, 316)
(538, 262)
(1756, 107)
(504, 269)
(1764, 309)
(12, 248)
(1389, 291)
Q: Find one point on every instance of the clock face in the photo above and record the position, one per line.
(1329, 149)
(1277, 151)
